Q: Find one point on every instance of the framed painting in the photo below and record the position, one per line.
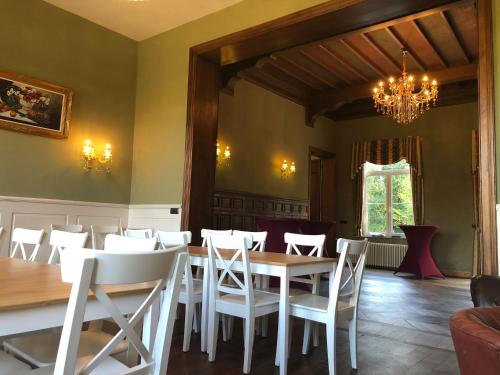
(33, 106)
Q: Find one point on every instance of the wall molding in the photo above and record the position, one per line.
(40, 213)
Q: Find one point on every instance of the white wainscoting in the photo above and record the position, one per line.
(35, 213)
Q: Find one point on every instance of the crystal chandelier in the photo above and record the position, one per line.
(403, 101)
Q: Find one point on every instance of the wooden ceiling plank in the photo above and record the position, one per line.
(454, 35)
(362, 57)
(324, 102)
(429, 43)
(323, 79)
(328, 67)
(403, 45)
(367, 38)
(343, 62)
(293, 71)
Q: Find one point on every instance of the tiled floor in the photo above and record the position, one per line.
(403, 330)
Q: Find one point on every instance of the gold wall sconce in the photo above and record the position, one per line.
(223, 155)
(287, 169)
(101, 162)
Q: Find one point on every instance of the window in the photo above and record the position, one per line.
(387, 199)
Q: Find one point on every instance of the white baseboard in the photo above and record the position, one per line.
(39, 213)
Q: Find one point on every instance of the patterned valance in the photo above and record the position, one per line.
(387, 151)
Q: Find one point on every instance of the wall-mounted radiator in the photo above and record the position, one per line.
(385, 255)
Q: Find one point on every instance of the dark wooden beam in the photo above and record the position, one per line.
(454, 34)
(360, 55)
(403, 45)
(380, 51)
(328, 81)
(429, 43)
(319, 23)
(299, 74)
(332, 100)
(327, 66)
(339, 59)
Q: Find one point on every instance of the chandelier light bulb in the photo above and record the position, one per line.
(391, 79)
(425, 79)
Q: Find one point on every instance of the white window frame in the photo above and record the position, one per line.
(388, 196)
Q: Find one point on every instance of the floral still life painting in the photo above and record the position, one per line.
(32, 106)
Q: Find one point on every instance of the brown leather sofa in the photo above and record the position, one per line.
(485, 290)
(476, 336)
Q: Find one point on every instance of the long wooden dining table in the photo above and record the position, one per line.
(33, 297)
(269, 264)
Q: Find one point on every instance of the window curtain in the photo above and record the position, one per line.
(476, 250)
(383, 152)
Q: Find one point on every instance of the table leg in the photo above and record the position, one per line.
(283, 324)
(204, 307)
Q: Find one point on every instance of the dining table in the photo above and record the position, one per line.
(33, 297)
(281, 265)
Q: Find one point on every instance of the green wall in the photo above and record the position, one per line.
(446, 137)
(160, 120)
(262, 129)
(45, 42)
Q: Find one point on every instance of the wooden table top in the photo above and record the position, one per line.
(275, 259)
(28, 284)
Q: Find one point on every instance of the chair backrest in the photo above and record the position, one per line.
(22, 237)
(60, 240)
(206, 232)
(114, 242)
(72, 228)
(99, 232)
(359, 248)
(167, 239)
(87, 270)
(217, 248)
(138, 233)
(258, 239)
(335, 284)
(305, 244)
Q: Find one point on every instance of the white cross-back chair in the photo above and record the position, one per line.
(22, 237)
(207, 232)
(99, 232)
(332, 309)
(138, 233)
(60, 240)
(73, 228)
(237, 299)
(114, 242)
(191, 294)
(258, 239)
(87, 270)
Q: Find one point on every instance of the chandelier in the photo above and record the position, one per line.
(402, 100)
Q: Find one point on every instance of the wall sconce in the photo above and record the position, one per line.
(287, 169)
(223, 156)
(101, 162)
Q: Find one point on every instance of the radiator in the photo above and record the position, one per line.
(385, 255)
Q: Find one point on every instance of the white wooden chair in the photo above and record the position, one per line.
(114, 242)
(331, 310)
(99, 232)
(240, 299)
(138, 233)
(191, 294)
(60, 240)
(72, 228)
(207, 232)
(87, 270)
(22, 237)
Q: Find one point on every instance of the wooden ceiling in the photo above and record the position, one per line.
(333, 76)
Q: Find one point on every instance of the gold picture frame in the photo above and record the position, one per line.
(33, 106)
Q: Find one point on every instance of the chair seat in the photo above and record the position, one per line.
(292, 291)
(10, 365)
(197, 286)
(108, 366)
(317, 303)
(40, 350)
(260, 298)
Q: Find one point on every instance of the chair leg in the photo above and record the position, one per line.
(290, 334)
(213, 333)
(353, 344)
(307, 336)
(197, 320)
(315, 332)
(330, 347)
(230, 327)
(249, 337)
(188, 326)
(264, 325)
(224, 327)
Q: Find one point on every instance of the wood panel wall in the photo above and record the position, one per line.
(238, 210)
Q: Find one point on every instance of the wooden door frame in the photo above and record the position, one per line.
(315, 151)
(236, 51)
